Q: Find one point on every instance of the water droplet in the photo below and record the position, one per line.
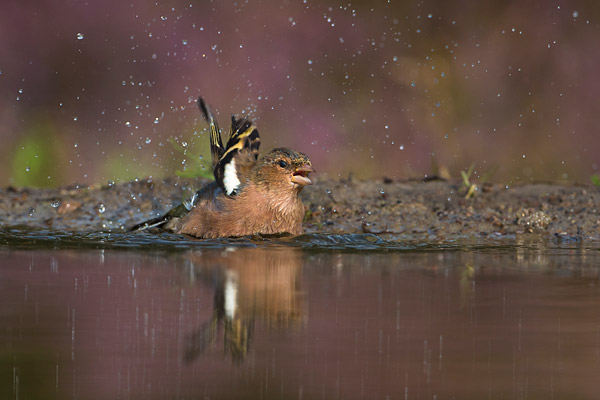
(575, 14)
(310, 62)
(75, 119)
(163, 17)
(27, 169)
(184, 42)
(128, 124)
(55, 204)
(80, 36)
(148, 140)
(401, 147)
(189, 204)
(101, 208)
(381, 191)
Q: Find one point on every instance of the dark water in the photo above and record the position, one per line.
(102, 316)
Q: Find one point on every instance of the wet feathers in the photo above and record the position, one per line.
(252, 194)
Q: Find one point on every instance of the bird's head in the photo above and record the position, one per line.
(284, 169)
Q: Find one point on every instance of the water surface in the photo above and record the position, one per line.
(316, 317)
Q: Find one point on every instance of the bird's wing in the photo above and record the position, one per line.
(176, 212)
(206, 195)
(239, 156)
(216, 145)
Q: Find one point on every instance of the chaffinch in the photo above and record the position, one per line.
(251, 194)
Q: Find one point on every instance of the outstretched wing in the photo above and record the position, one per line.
(176, 212)
(216, 145)
(240, 155)
(169, 220)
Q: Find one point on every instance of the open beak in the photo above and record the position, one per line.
(300, 175)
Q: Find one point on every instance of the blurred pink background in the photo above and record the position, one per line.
(92, 91)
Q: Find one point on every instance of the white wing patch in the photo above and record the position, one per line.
(230, 178)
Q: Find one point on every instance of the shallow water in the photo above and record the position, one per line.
(107, 316)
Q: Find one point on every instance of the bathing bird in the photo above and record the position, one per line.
(251, 194)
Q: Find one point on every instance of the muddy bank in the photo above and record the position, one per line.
(434, 210)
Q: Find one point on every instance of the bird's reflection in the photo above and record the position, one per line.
(249, 284)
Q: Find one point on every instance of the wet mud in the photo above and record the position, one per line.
(431, 210)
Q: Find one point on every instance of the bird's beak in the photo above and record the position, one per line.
(300, 175)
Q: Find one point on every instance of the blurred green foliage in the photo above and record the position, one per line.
(34, 160)
(195, 165)
(118, 167)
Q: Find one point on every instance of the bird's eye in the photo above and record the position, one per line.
(283, 164)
